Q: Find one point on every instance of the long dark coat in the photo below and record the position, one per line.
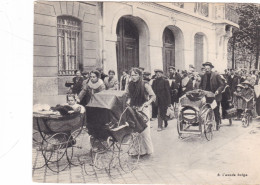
(226, 99)
(161, 88)
(232, 82)
(216, 84)
(174, 92)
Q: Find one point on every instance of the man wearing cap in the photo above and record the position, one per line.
(173, 74)
(161, 88)
(213, 82)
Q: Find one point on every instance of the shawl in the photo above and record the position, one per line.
(95, 85)
(137, 93)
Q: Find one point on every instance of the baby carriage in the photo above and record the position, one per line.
(114, 131)
(195, 114)
(59, 139)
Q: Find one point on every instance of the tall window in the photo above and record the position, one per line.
(69, 45)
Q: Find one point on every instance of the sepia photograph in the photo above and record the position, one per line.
(145, 92)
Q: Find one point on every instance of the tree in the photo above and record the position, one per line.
(247, 37)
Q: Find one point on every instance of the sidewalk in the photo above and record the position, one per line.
(194, 160)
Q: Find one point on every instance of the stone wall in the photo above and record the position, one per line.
(46, 79)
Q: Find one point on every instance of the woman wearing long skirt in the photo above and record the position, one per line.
(141, 95)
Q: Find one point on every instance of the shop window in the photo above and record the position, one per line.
(69, 45)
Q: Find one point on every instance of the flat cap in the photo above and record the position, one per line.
(158, 70)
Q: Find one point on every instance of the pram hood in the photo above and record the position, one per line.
(108, 99)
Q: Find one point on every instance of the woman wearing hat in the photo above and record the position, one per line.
(237, 100)
(248, 95)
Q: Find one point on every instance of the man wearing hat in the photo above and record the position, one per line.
(173, 74)
(161, 89)
(141, 68)
(212, 81)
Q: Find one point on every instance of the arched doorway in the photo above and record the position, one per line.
(168, 49)
(127, 47)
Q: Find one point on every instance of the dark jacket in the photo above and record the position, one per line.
(77, 84)
(161, 88)
(232, 82)
(174, 92)
(177, 77)
(216, 84)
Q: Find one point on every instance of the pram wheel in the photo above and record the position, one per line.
(209, 124)
(101, 153)
(208, 132)
(81, 144)
(179, 120)
(37, 138)
(129, 152)
(54, 149)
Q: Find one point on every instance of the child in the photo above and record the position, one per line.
(248, 95)
(238, 100)
(72, 102)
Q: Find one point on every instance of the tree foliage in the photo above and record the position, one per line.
(247, 36)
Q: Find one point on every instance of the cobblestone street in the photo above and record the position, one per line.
(231, 157)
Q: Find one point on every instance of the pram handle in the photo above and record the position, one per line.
(127, 107)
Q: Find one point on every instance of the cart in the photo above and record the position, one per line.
(195, 114)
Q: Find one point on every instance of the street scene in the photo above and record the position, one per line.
(146, 92)
(193, 160)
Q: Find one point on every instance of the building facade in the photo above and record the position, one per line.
(119, 35)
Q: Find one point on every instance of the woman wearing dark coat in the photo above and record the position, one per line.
(226, 98)
(77, 83)
(161, 88)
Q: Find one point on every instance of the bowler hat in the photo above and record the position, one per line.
(158, 70)
(146, 73)
(208, 64)
(142, 68)
(172, 67)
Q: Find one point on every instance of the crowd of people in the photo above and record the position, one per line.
(154, 93)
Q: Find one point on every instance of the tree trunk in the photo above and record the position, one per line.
(233, 52)
(257, 46)
(250, 64)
